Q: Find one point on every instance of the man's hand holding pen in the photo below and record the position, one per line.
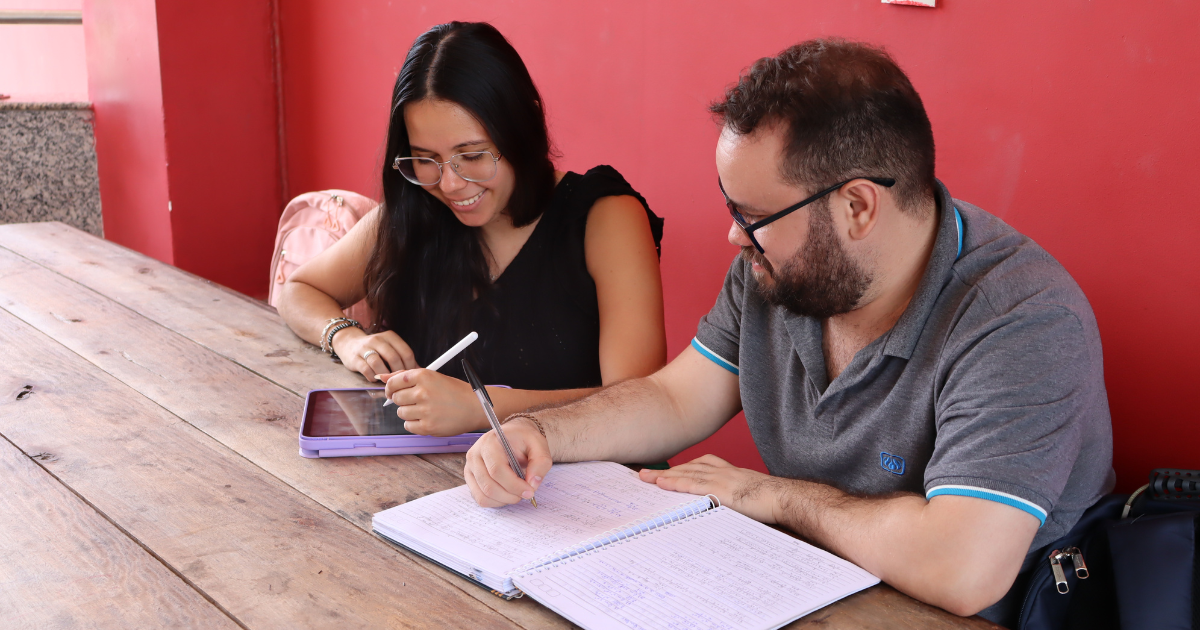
(489, 476)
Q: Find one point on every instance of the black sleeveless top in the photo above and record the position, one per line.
(540, 326)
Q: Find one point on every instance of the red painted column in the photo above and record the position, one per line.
(124, 85)
(222, 136)
(187, 133)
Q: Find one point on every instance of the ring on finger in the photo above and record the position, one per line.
(367, 355)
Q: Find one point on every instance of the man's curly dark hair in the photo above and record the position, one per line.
(847, 111)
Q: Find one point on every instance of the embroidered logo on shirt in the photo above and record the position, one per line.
(892, 463)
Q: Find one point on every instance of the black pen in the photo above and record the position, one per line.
(486, 401)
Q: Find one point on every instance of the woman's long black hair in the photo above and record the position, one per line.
(427, 267)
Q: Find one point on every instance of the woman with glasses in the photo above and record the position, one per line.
(557, 272)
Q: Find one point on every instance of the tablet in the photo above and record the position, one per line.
(354, 422)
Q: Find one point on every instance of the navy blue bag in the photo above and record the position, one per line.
(1131, 563)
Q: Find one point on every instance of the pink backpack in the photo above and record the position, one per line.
(310, 224)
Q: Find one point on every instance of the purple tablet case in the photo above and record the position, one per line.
(359, 445)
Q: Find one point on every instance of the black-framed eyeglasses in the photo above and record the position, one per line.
(749, 227)
(473, 166)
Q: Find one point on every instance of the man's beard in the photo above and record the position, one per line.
(822, 280)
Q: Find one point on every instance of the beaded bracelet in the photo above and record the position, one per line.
(349, 323)
(325, 347)
(325, 332)
(535, 421)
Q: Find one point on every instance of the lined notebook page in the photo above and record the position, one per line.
(715, 570)
(576, 502)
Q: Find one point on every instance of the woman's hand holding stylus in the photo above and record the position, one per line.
(431, 403)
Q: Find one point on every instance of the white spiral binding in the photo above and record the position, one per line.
(600, 541)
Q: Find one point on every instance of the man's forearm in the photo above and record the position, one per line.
(646, 419)
(631, 421)
(950, 555)
(865, 531)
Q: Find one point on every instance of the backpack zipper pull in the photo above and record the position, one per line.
(1081, 570)
(1060, 578)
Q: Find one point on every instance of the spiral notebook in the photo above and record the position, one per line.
(606, 550)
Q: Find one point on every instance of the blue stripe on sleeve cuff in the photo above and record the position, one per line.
(713, 356)
(990, 495)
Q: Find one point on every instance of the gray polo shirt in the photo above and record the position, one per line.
(990, 384)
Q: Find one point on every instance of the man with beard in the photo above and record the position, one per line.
(924, 384)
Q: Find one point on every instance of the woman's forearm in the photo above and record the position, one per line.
(510, 401)
(306, 310)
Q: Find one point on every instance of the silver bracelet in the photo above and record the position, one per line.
(325, 332)
(349, 323)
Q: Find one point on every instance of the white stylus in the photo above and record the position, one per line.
(442, 360)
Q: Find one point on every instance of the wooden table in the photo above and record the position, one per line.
(149, 474)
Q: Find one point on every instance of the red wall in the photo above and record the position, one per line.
(1075, 121)
(125, 87)
(187, 138)
(221, 113)
(1072, 120)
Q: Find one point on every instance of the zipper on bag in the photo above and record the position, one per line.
(1081, 570)
(1075, 556)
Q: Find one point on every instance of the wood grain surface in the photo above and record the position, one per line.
(63, 565)
(268, 555)
(228, 323)
(218, 380)
(251, 415)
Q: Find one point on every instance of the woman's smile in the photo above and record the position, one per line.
(469, 203)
